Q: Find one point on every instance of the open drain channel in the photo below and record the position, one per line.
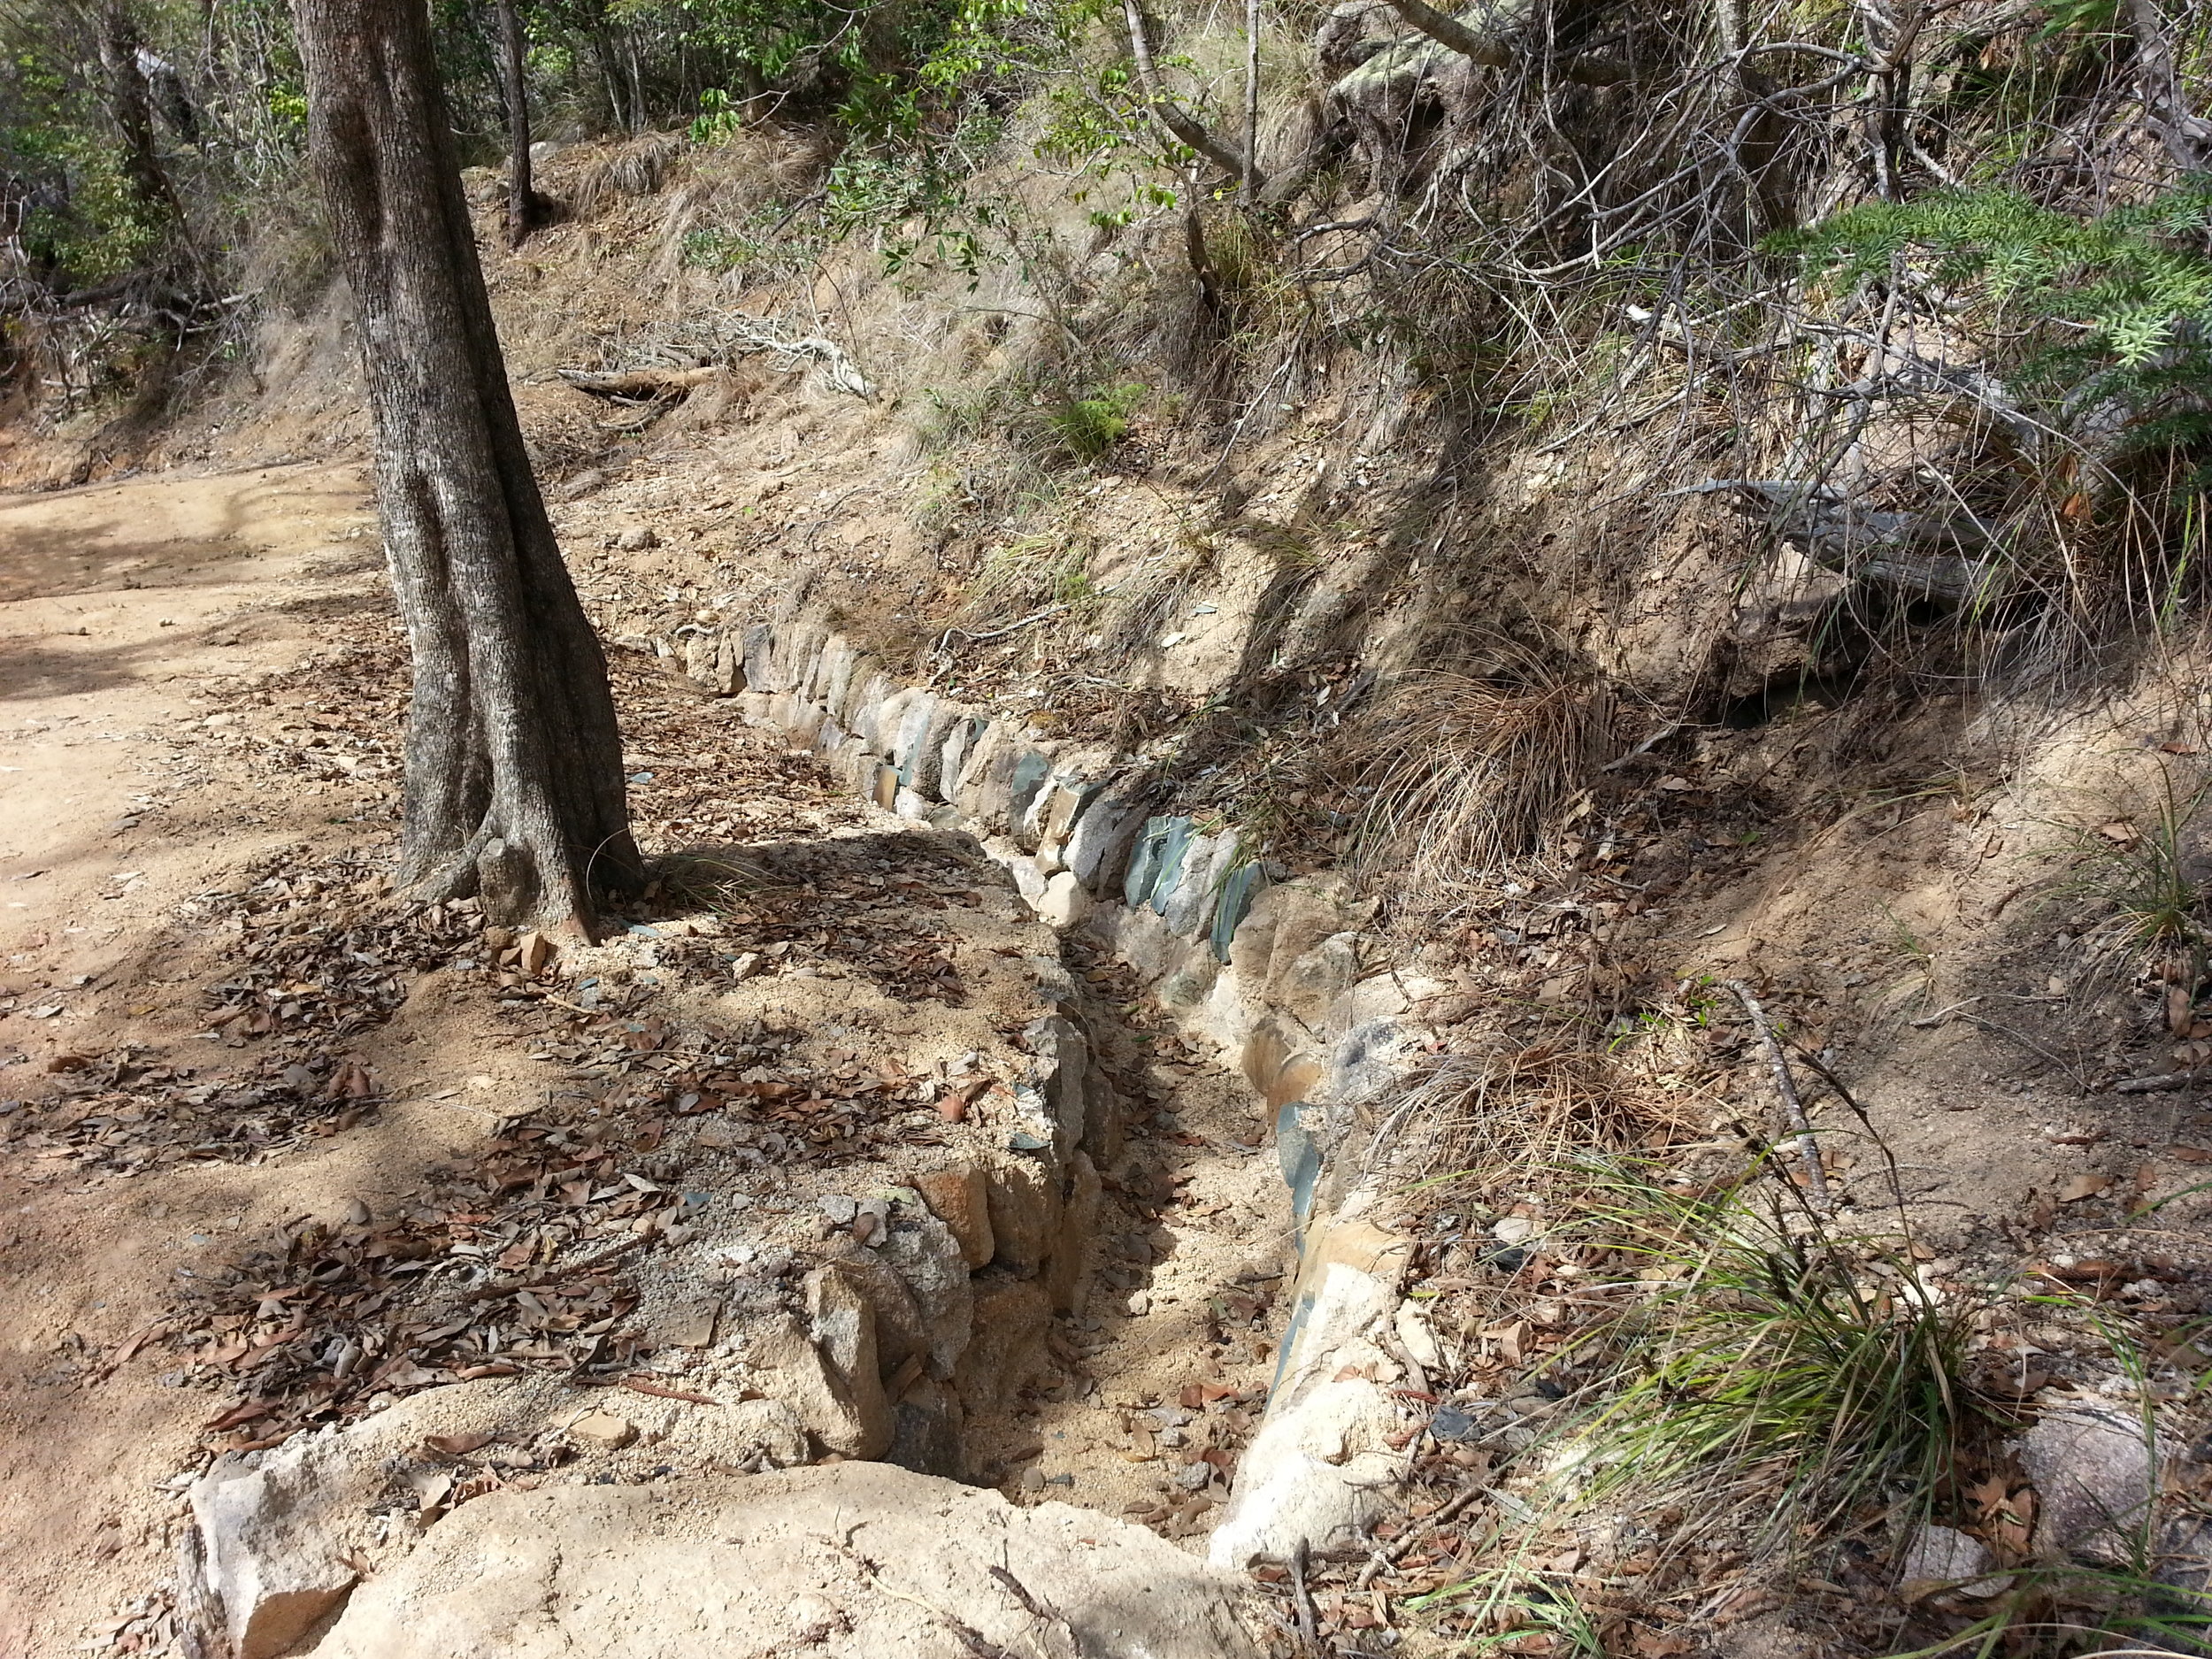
(1159, 1371)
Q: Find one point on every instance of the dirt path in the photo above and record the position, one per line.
(212, 1037)
(122, 608)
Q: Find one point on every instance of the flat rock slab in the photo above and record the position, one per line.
(849, 1561)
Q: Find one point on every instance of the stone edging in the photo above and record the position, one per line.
(1276, 973)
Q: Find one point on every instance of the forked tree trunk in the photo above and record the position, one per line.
(522, 202)
(514, 785)
(131, 108)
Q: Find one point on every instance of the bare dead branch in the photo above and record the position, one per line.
(1172, 116)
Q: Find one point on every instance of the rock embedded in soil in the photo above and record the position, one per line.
(2093, 1476)
(853, 1561)
(274, 1551)
(1945, 1556)
(602, 1428)
(960, 1197)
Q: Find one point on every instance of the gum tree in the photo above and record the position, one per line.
(514, 781)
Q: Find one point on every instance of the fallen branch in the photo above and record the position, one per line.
(1391, 1554)
(730, 338)
(1493, 52)
(1793, 1108)
(1954, 556)
(637, 382)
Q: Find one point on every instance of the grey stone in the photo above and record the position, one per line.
(903, 740)
(1239, 888)
(1155, 859)
(1322, 1463)
(1063, 903)
(798, 650)
(729, 664)
(927, 1256)
(1062, 805)
(880, 724)
(698, 656)
(1370, 1059)
(952, 755)
(759, 658)
(1307, 987)
(862, 679)
(2093, 1476)
(986, 775)
(1300, 1155)
(1189, 907)
(837, 677)
(1190, 982)
(1063, 1058)
(1098, 844)
(1033, 767)
(1287, 920)
(273, 1542)
(1945, 1556)
(929, 773)
(842, 1323)
(901, 1328)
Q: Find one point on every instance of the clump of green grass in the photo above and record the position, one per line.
(2140, 869)
(1783, 1374)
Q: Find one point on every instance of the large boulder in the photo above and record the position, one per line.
(854, 1561)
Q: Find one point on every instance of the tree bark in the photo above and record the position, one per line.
(2187, 134)
(522, 202)
(514, 783)
(131, 108)
(1248, 186)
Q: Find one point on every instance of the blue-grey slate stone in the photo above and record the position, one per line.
(1242, 885)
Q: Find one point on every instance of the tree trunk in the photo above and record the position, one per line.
(514, 785)
(1248, 186)
(132, 108)
(522, 204)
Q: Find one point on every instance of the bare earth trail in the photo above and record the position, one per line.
(211, 1035)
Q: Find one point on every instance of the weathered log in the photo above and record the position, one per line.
(1495, 51)
(1952, 557)
(638, 382)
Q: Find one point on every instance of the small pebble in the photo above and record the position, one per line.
(1452, 1424)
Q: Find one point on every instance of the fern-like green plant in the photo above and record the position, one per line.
(2112, 310)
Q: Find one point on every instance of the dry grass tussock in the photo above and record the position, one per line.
(1465, 770)
(1515, 1119)
(639, 167)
